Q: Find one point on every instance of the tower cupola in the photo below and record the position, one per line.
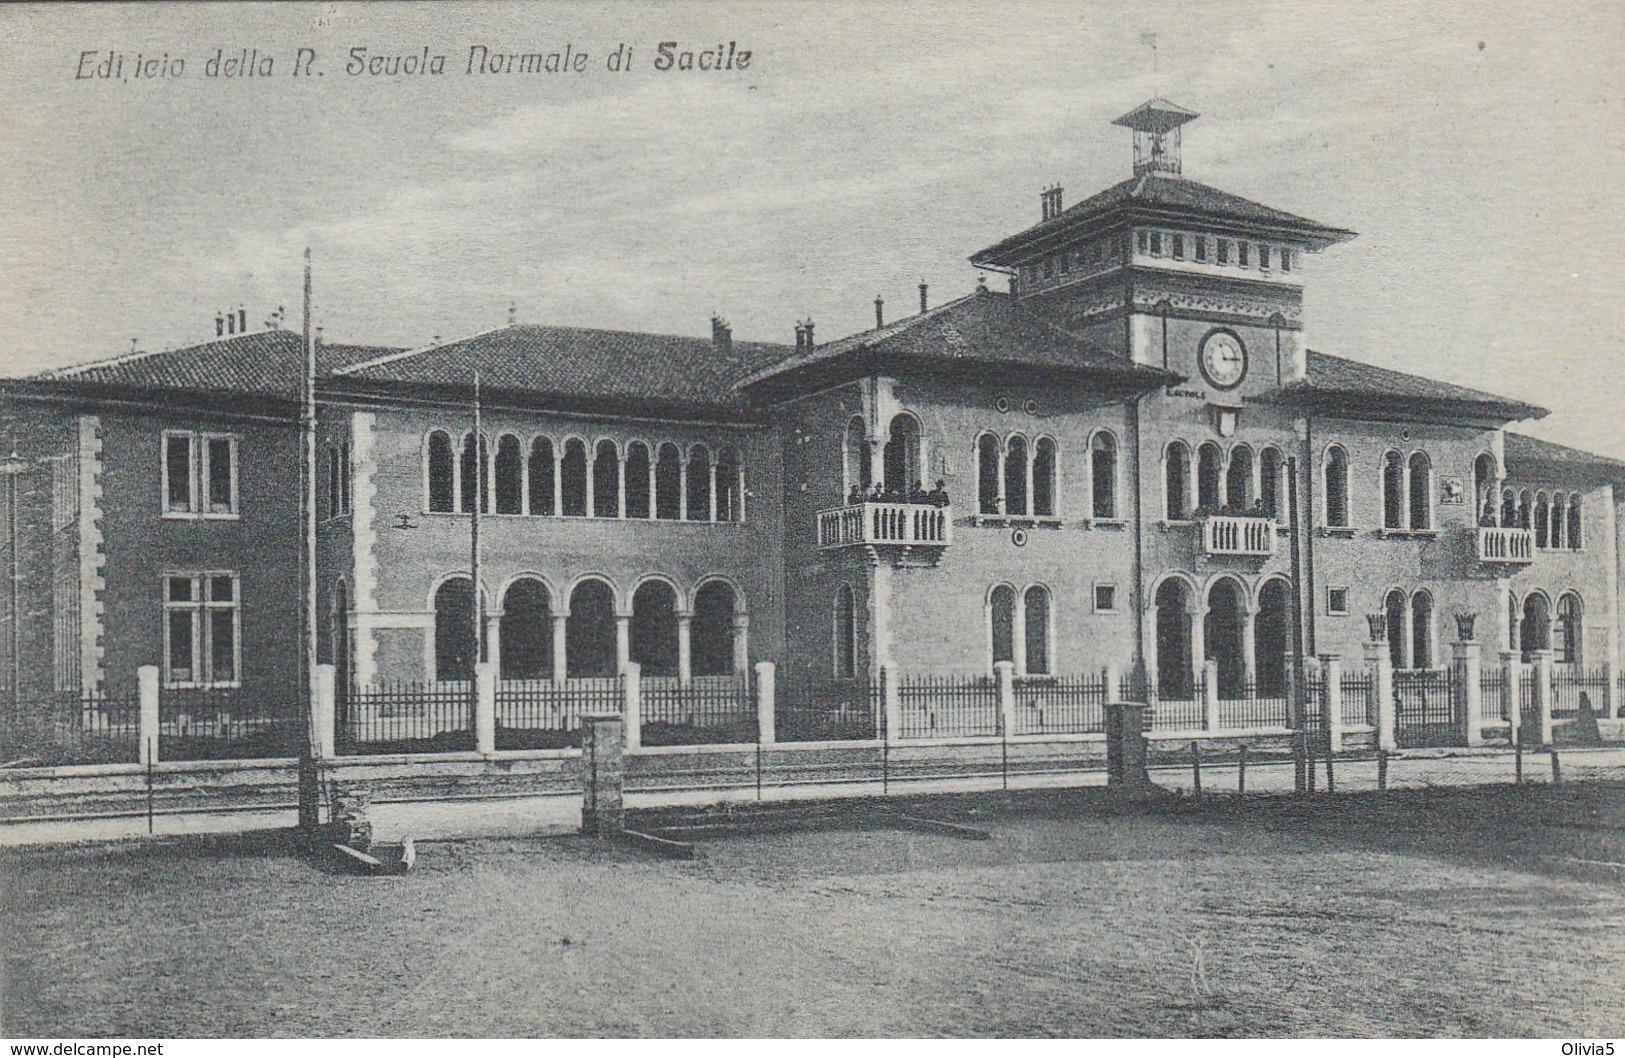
(1156, 124)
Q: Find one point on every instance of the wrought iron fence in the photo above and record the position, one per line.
(1359, 699)
(1176, 714)
(227, 723)
(1492, 689)
(69, 728)
(1255, 704)
(944, 706)
(1425, 707)
(1574, 689)
(541, 714)
(1314, 699)
(832, 713)
(1060, 705)
(406, 716)
(710, 709)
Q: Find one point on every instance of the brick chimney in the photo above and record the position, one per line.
(922, 298)
(722, 335)
(1050, 202)
(880, 313)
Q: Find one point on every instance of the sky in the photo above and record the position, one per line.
(1478, 149)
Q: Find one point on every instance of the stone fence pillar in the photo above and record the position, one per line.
(1114, 682)
(893, 704)
(766, 703)
(632, 703)
(322, 706)
(1381, 667)
(1125, 747)
(1005, 676)
(485, 707)
(147, 719)
(603, 763)
(1542, 676)
(1210, 695)
(1466, 657)
(1331, 700)
(1512, 703)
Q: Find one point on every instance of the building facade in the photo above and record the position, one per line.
(1129, 458)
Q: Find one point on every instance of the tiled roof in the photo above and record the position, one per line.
(1521, 450)
(1166, 193)
(264, 364)
(1332, 380)
(983, 327)
(578, 362)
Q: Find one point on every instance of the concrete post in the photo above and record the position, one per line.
(560, 640)
(1210, 695)
(741, 643)
(1331, 698)
(685, 648)
(147, 720)
(1512, 705)
(322, 709)
(632, 703)
(1381, 666)
(485, 708)
(1125, 748)
(1114, 682)
(1466, 657)
(893, 703)
(1606, 706)
(766, 697)
(1004, 673)
(1543, 693)
(603, 759)
(623, 640)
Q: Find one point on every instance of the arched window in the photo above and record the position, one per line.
(454, 630)
(441, 473)
(1555, 534)
(589, 631)
(1015, 475)
(729, 493)
(1526, 510)
(1269, 482)
(638, 497)
(1176, 461)
(1509, 508)
(344, 476)
(475, 466)
(1393, 491)
(606, 481)
(669, 483)
(573, 478)
(1535, 630)
(712, 639)
(699, 484)
(1575, 539)
(543, 475)
(845, 633)
(1567, 633)
(1542, 514)
(1484, 487)
(988, 492)
(1422, 630)
(654, 628)
(509, 472)
(1103, 475)
(1337, 487)
(333, 508)
(1037, 631)
(1002, 615)
(1208, 461)
(902, 456)
(1238, 479)
(855, 456)
(1421, 494)
(1044, 477)
(1393, 608)
(526, 631)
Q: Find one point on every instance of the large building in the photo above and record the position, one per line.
(1092, 468)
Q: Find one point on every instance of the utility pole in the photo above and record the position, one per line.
(1295, 671)
(476, 606)
(307, 501)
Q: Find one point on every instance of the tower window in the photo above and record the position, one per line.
(1224, 251)
(1241, 253)
(1143, 242)
(1286, 259)
(1201, 248)
(1263, 255)
(1156, 243)
(1179, 246)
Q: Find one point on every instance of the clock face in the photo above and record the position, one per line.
(1223, 360)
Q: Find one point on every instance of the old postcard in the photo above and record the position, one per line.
(816, 520)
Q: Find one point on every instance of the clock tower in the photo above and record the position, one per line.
(1169, 272)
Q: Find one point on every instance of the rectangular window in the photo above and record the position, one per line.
(1105, 598)
(200, 474)
(1337, 601)
(344, 478)
(1178, 246)
(1156, 243)
(1263, 255)
(1224, 251)
(1242, 249)
(1286, 259)
(1142, 242)
(202, 630)
(1201, 248)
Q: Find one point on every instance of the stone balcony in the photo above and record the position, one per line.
(885, 525)
(1505, 547)
(1237, 535)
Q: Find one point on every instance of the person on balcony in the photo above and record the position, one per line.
(938, 496)
(854, 497)
(1486, 520)
(918, 495)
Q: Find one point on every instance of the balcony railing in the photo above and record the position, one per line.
(885, 525)
(1224, 534)
(1505, 546)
